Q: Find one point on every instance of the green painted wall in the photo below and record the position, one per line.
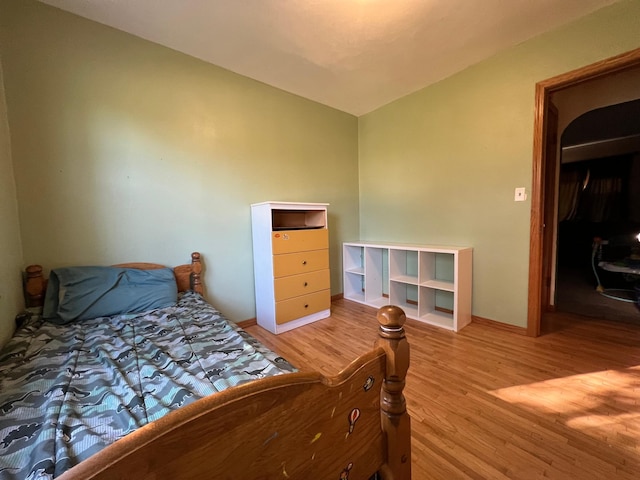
(124, 150)
(11, 298)
(440, 166)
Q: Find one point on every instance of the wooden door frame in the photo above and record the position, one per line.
(550, 194)
(544, 89)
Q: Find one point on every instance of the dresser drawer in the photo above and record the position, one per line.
(289, 241)
(296, 285)
(298, 307)
(297, 263)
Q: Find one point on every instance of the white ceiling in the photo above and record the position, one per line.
(353, 55)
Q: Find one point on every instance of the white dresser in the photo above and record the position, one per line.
(290, 263)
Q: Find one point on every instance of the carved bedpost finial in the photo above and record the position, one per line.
(196, 270)
(35, 286)
(395, 420)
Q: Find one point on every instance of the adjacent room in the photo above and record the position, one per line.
(598, 212)
(303, 165)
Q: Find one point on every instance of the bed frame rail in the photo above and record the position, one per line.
(294, 426)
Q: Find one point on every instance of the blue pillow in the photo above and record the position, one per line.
(81, 293)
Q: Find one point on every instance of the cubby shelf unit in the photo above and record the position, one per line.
(431, 284)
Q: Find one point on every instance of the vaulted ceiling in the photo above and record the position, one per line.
(353, 55)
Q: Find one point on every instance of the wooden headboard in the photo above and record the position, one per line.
(188, 277)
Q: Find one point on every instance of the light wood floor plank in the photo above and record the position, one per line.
(489, 404)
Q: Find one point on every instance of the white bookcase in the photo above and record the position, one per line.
(431, 284)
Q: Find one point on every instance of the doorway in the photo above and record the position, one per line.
(542, 250)
(598, 217)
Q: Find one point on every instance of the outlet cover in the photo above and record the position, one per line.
(520, 195)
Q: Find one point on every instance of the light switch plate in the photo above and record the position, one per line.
(520, 195)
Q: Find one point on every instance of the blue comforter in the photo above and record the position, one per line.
(68, 391)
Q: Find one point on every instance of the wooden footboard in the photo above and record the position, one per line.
(294, 426)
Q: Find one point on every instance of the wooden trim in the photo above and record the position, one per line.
(499, 325)
(544, 89)
(188, 277)
(548, 214)
(196, 272)
(396, 423)
(250, 322)
(605, 67)
(140, 265)
(35, 286)
(386, 295)
(443, 310)
(537, 214)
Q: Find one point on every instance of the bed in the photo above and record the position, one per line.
(180, 392)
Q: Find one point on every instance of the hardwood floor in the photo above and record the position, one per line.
(489, 404)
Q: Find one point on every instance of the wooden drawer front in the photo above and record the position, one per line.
(289, 241)
(303, 262)
(302, 306)
(296, 285)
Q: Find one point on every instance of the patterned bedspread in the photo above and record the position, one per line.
(68, 391)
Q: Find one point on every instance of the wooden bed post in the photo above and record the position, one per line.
(35, 286)
(395, 420)
(196, 270)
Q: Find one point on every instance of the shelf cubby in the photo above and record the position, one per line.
(354, 286)
(376, 292)
(405, 296)
(403, 266)
(296, 218)
(353, 259)
(434, 309)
